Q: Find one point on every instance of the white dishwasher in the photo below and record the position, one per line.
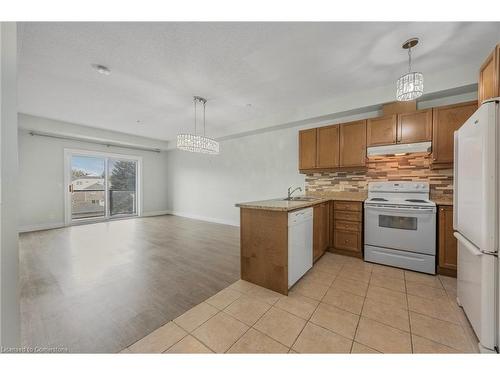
(300, 244)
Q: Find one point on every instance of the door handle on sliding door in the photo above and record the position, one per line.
(70, 188)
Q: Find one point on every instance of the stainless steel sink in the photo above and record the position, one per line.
(303, 199)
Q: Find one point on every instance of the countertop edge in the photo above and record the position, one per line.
(260, 205)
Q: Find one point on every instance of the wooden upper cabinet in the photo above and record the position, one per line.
(489, 76)
(394, 108)
(307, 149)
(445, 121)
(381, 130)
(328, 147)
(415, 126)
(353, 144)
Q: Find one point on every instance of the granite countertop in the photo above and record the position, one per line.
(280, 204)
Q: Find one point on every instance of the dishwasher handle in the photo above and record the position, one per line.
(300, 216)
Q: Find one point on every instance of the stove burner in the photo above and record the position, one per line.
(416, 200)
(379, 199)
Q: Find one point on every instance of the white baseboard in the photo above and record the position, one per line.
(156, 213)
(205, 218)
(35, 227)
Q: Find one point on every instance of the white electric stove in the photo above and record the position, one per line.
(400, 225)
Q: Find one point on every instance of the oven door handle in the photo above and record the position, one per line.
(403, 210)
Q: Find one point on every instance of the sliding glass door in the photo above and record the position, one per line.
(101, 186)
(122, 187)
(88, 188)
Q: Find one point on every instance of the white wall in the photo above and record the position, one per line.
(256, 167)
(41, 172)
(253, 167)
(9, 290)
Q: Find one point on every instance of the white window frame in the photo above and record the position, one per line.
(68, 154)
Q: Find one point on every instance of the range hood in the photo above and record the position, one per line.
(399, 149)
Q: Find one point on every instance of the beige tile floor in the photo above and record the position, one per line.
(342, 305)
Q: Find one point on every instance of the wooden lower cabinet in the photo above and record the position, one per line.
(347, 229)
(348, 241)
(321, 232)
(264, 248)
(447, 243)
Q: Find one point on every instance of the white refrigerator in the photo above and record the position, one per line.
(476, 221)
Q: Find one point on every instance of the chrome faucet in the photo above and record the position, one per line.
(290, 192)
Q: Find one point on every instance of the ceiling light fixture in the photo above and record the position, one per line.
(194, 142)
(410, 85)
(102, 69)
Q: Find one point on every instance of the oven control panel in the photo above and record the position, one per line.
(399, 186)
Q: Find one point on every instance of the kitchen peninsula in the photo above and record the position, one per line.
(337, 227)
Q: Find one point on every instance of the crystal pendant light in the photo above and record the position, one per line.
(410, 85)
(194, 142)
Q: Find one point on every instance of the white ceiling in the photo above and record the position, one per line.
(279, 68)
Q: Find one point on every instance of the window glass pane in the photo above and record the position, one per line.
(87, 179)
(122, 186)
(397, 222)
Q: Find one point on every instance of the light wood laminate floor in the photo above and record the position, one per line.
(101, 287)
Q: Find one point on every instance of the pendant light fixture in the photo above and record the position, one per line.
(195, 142)
(410, 85)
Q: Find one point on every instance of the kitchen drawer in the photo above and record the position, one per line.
(347, 226)
(348, 215)
(350, 241)
(347, 206)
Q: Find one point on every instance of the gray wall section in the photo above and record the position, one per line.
(9, 301)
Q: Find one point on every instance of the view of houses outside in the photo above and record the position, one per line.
(88, 198)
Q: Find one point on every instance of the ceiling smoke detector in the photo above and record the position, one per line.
(101, 69)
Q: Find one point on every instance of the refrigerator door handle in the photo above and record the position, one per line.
(455, 179)
(468, 245)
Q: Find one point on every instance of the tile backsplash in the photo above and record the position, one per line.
(413, 167)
